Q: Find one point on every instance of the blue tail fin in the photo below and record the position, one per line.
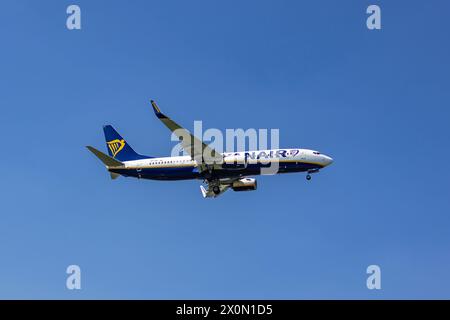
(118, 148)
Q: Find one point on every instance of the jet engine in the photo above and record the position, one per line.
(245, 184)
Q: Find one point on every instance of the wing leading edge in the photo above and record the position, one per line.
(206, 157)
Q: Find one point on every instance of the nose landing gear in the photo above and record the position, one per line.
(308, 176)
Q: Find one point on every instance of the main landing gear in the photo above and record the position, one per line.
(216, 190)
(308, 177)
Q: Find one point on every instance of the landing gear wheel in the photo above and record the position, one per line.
(308, 177)
(216, 190)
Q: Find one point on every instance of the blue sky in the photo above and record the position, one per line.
(376, 101)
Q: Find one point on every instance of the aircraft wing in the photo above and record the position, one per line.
(205, 156)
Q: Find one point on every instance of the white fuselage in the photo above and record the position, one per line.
(304, 156)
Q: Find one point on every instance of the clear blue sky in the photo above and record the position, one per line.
(376, 101)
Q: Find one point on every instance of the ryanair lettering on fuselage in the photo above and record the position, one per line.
(265, 154)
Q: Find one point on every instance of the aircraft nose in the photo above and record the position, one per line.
(328, 160)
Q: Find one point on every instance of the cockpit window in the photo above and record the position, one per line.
(315, 152)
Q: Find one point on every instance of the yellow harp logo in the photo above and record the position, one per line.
(115, 146)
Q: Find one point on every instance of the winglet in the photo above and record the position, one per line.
(204, 192)
(158, 112)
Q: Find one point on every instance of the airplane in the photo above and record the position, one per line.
(219, 171)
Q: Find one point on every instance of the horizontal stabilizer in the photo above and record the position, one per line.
(114, 175)
(107, 160)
